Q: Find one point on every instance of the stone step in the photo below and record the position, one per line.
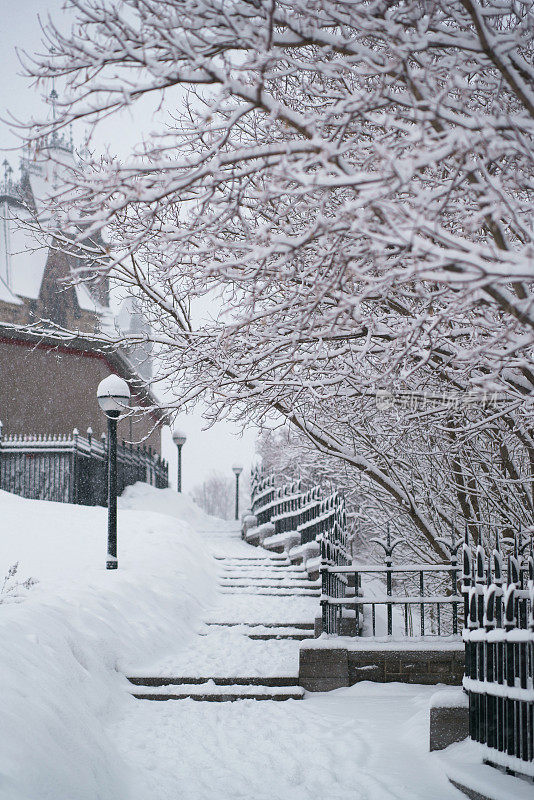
(272, 592)
(212, 692)
(263, 564)
(245, 584)
(223, 698)
(278, 572)
(282, 633)
(250, 559)
(295, 637)
(278, 576)
(244, 580)
(164, 680)
(305, 626)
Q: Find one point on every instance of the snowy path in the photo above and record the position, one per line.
(259, 595)
(368, 742)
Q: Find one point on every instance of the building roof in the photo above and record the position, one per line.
(37, 275)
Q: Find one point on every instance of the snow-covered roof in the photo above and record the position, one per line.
(86, 301)
(22, 257)
(7, 295)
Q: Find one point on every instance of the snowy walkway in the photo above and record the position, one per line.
(368, 742)
(260, 598)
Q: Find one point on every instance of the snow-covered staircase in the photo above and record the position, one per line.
(248, 646)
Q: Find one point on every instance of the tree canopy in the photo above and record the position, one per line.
(350, 184)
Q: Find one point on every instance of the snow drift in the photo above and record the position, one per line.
(68, 642)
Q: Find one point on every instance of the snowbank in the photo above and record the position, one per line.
(67, 645)
(143, 497)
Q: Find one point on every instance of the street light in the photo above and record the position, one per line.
(179, 440)
(237, 470)
(113, 395)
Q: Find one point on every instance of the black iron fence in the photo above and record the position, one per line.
(499, 655)
(313, 517)
(73, 468)
(494, 606)
(419, 599)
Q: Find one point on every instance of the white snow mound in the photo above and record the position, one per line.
(66, 644)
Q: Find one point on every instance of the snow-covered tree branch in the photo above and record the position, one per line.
(350, 183)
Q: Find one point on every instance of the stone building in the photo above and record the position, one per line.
(49, 386)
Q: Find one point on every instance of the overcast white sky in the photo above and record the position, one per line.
(205, 450)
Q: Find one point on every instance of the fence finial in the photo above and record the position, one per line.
(509, 607)
(489, 611)
(473, 619)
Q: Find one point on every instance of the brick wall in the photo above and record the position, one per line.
(53, 390)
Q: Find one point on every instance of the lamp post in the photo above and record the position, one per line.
(237, 470)
(179, 440)
(113, 396)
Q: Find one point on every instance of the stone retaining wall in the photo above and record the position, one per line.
(322, 669)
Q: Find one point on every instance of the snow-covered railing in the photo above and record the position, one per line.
(499, 656)
(263, 495)
(290, 508)
(428, 605)
(313, 518)
(72, 468)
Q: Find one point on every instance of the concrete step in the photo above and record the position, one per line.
(164, 680)
(212, 692)
(305, 626)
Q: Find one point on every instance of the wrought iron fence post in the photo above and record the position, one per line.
(509, 625)
(388, 545)
(467, 579)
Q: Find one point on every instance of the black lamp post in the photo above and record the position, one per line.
(237, 470)
(113, 396)
(179, 440)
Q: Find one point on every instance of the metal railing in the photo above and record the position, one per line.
(497, 612)
(499, 655)
(73, 468)
(313, 517)
(428, 599)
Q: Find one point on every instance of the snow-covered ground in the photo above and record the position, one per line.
(368, 742)
(66, 646)
(71, 729)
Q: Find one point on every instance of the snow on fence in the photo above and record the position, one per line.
(308, 515)
(73, 468)
(418, 610)
(313, 518)
(499, 655)
(497, 615)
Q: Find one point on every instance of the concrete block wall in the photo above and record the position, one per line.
(322, 668)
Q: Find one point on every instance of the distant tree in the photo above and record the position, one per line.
(215, 495)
